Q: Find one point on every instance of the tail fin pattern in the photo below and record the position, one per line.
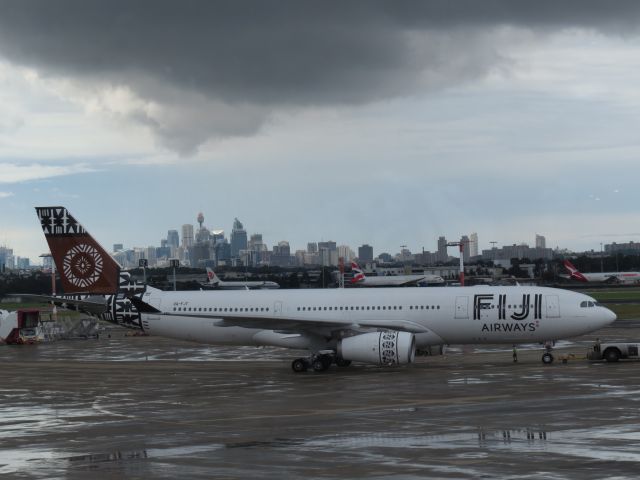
(84, 266)
(358, 276)
(574, 272)
(212, 277)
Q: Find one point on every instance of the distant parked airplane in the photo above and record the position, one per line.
(361, 280)
(611, 277)
(214, 281)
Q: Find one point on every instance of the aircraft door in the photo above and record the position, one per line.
(277, 308)
(553, 306)
(462, 307)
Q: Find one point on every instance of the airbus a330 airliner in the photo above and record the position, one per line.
(608, 277)
(381, 326)
(213, 281)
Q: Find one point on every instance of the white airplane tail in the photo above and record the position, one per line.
(212, 278)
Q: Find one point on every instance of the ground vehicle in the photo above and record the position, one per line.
(612, 352)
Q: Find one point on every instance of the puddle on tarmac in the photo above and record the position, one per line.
(471, 445)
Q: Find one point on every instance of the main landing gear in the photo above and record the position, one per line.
(318, 362)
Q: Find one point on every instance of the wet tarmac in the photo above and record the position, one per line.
(143, 407)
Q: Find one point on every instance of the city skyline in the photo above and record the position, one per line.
(432, 120)
(189, 236)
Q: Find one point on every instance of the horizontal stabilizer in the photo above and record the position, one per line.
(143, 307)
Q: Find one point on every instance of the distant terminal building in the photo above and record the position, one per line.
(631, 248)
(365, 254)
(541, 242)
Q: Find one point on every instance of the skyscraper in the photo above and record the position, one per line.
(238, 239)
(473, 247)
(466, 248)
(443, 256)
(187, 235)
(173, 240)
(365, 254)
(541, 242)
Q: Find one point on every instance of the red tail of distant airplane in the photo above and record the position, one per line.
(574, 272)
(358, 275)
(84, 266)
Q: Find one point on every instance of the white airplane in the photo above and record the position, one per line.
(382, 326)
(611, 277)
(361, 280)
(213, 281)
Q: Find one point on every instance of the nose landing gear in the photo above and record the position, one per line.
(547, 356)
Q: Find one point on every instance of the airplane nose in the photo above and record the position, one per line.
(609, 317)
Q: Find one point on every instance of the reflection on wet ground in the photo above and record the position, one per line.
(154, 408)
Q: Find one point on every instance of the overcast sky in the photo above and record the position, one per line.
(388, 123)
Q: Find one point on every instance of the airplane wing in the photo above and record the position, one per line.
(95, 304)
(286, 324)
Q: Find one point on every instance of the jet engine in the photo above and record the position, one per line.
(379, 348)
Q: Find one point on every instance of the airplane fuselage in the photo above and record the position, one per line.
(448, 315)
(243, 285)
(622, 277)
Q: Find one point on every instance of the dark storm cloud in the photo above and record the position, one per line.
(280, 53)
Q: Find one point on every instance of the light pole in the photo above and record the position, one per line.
(174, 263)
(54, 310)
(143, 263)
(601, 256)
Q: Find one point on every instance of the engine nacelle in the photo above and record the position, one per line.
(379, 348)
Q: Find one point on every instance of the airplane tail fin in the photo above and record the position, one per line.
(574, 272)
(358, 275)
(212, 277)
(84, 266)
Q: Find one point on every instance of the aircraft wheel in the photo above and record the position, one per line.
(341, 362)
(299, 365)
(320, 364)
(611, 355)
(547, 358)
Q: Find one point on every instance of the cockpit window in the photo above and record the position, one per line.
(584, 304)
